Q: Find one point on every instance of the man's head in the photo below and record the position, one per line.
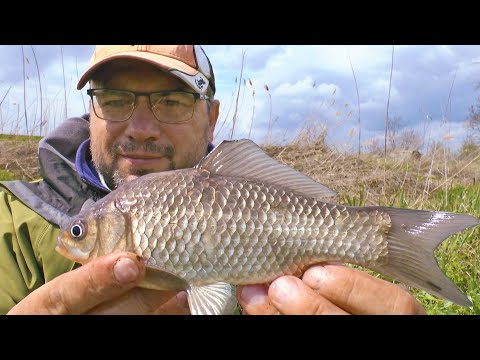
(151, 108)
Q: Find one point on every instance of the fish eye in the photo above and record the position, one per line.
(77, 231)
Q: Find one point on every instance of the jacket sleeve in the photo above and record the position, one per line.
(27, 251)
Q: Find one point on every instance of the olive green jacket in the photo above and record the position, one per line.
(27, 251)
(31, 214)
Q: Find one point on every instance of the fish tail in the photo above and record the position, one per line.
(412, 239)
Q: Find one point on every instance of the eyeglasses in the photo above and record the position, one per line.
(168, 106)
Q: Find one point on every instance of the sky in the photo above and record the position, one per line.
(280, 91)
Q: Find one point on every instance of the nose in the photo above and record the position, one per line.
(143, 125)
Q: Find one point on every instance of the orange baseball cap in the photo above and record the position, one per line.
(188, 62)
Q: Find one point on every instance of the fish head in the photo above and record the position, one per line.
(93, 233)
(77, 239)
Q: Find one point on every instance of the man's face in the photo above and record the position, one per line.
(122, 151)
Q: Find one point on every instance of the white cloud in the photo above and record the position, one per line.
(305, 82)
(305, 87)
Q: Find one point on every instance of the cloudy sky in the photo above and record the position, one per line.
(309, 87)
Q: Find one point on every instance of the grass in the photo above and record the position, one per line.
(6, 175)
(19, 157)
(458, 256)
(360, 181)
(20, 138)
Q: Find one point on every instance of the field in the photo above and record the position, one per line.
(408, 181)
(18, 157)
(437, 180)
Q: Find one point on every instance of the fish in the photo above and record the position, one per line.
(241, 217)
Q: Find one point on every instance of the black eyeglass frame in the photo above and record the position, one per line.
(197, 96)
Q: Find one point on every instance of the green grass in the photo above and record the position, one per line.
(6, 175)
(355, 200)
(458, 256)
(20, 138)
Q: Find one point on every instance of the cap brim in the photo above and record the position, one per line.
(163, 62)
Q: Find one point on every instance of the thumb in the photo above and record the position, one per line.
(79, 290)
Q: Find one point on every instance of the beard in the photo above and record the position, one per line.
(106, 162)
(118, 179)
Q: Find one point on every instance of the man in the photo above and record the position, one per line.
(125, 135)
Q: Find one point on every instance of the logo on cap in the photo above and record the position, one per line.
(200, 82)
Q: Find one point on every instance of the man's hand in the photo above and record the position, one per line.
(328, 289)
(106, 285)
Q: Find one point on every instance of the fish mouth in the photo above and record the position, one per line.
(72, 253)
(60, 247)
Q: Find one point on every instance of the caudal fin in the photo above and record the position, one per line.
(412, 238)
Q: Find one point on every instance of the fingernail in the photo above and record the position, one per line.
(282, 290)
(125, 270)
(253, 294)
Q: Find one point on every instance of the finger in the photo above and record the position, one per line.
(254, 300)
(79, 290)
(357, 292)
(291, 296)
(176, 305)
(140, 301)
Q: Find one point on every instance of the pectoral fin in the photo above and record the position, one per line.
(215, 299)
(160, 279)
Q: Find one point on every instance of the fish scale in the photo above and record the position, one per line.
(217, 225)
(301, 229)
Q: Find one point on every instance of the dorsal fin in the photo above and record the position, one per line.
(245, 159)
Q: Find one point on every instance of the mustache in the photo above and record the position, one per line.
(145, 146)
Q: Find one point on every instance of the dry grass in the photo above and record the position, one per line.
(347, 174)
(19, 159)
(406, 181)
(405, 170)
